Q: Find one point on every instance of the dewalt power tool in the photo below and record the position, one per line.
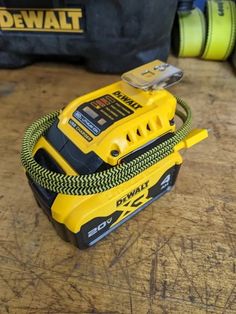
(108, 154)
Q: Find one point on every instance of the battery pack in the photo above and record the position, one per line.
(108, 154)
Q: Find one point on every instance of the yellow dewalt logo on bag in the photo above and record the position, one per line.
(42, 20)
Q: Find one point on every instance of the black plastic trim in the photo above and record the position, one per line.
(80, 162)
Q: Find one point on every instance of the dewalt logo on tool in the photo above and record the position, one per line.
(131, 194)
(42, 20)
(126, 99)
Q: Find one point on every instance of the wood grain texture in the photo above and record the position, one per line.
(176, 256)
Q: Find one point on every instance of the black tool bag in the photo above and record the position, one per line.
(107, 35)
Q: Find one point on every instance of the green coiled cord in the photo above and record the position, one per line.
(101, 181)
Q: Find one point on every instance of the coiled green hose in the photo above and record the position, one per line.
(101, 181)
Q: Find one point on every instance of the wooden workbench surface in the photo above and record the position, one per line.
(176, 256)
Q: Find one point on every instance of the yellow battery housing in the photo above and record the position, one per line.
(100, 130)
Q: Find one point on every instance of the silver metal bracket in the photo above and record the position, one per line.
(153, 75)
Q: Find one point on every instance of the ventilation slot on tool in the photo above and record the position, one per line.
(148, 127)
(138, 132)
(128, 138)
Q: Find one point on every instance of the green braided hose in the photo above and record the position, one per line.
(101, 181)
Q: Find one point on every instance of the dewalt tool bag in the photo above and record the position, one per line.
(107, 35)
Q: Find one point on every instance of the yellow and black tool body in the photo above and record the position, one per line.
(120, 142)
